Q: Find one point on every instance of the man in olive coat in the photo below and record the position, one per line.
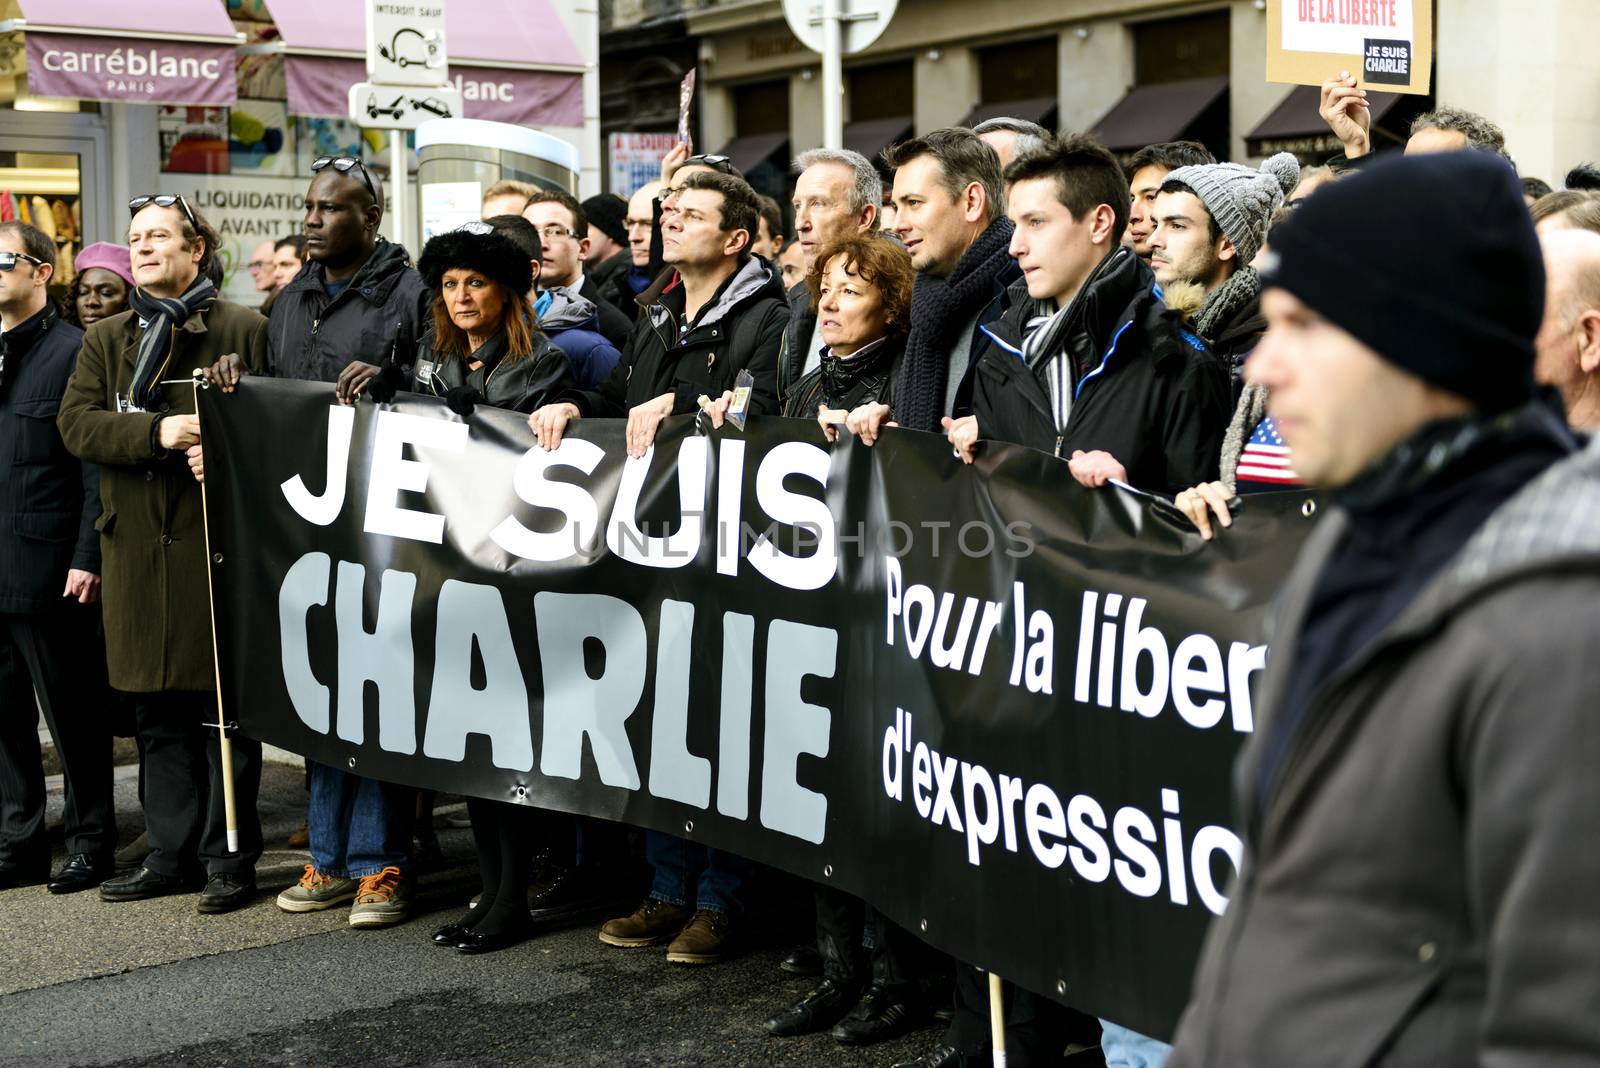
(128, 409)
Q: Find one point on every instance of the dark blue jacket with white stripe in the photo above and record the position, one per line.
(1146, 389)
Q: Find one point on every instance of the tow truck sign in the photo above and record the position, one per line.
(402, 107)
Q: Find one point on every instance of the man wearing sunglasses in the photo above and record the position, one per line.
(356, 305)
(50, 644)
(358, 299)
(128, 409)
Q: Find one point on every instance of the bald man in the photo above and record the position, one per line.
(626, 285)
(1569, 338)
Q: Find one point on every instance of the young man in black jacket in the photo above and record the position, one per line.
(1088, 363)
(50, 642)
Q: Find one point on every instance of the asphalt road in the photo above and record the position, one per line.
(153, 982)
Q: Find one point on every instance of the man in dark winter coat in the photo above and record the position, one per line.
(724, 312)
(356, 305)
(1211, 221)
(1419, 802)
(950, 215)
(1088, 363)
(50, 643)
(358, 298)
(836, 194)
(608, 245)
(123, 411)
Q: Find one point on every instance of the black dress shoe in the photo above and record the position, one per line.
(802, 960)
(478, 942)
(819, 1010)
(143, 883)
(81, 872)
(940, 1056)
(882, 1013)
(225, 892)
(15, 873)
(449, 935)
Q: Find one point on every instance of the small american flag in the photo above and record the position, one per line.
(1266, 458)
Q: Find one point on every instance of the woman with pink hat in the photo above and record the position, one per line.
(104, 279)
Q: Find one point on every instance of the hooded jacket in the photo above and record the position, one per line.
(740, 328)
(1419, 872)
(572, 325)
(1153, 395)
(50, 499)
(386, 308)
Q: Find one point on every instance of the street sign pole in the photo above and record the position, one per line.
(832, 76)
(836, 28)
(398, 181)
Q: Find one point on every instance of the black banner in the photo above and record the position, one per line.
(1000, 707)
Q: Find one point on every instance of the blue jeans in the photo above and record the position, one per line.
(1123, 1048)
(720, 879)
(357, 826)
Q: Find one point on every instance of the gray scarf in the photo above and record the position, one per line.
(1225, 302)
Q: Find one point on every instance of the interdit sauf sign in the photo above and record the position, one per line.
(147, 71)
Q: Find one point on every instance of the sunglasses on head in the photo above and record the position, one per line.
(164, 200)
(716, 163)
(8, 260)
(344, 165)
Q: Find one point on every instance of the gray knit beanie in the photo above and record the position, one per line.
(1242, 200)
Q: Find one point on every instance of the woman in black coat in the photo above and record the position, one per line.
(861, 295)
(484, 348)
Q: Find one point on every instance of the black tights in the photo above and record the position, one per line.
(506, 836)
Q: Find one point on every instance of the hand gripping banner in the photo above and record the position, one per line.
(1000, 707)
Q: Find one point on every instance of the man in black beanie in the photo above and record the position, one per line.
(608, 246)
(1419, 801)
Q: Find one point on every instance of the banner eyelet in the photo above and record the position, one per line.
(688, 826)
(1308, 509)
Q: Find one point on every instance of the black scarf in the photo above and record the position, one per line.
(163, 316)
(939, 308)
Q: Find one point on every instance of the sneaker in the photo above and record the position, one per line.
(316, 891)
(651, 924)
(382, 899)
(708, 939)
(881, 1014)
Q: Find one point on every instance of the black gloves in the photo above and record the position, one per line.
(462, 399)
(382, 387)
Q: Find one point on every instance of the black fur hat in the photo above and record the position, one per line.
(477, 247)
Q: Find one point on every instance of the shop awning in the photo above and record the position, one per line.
(1295, 126)
(171, 52)
(871, 136)
(748, 153)
(1153, 113)
(512, 59)
(1039, 109)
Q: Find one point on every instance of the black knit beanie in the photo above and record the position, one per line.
(477, 247)
(606, 212)
(1432, 261)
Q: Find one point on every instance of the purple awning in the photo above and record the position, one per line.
(513, 60)
(175, 52)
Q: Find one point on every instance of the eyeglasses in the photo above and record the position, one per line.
(554, 232)
(344, 165)
(476, 229)
(164, 200)
(8, 260)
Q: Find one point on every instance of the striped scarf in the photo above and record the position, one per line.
(1044, 347)
(163, 317)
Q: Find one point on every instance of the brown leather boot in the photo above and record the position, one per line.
(651, 924)
(708, 938)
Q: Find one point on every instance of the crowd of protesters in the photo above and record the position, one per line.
(1417, 334)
